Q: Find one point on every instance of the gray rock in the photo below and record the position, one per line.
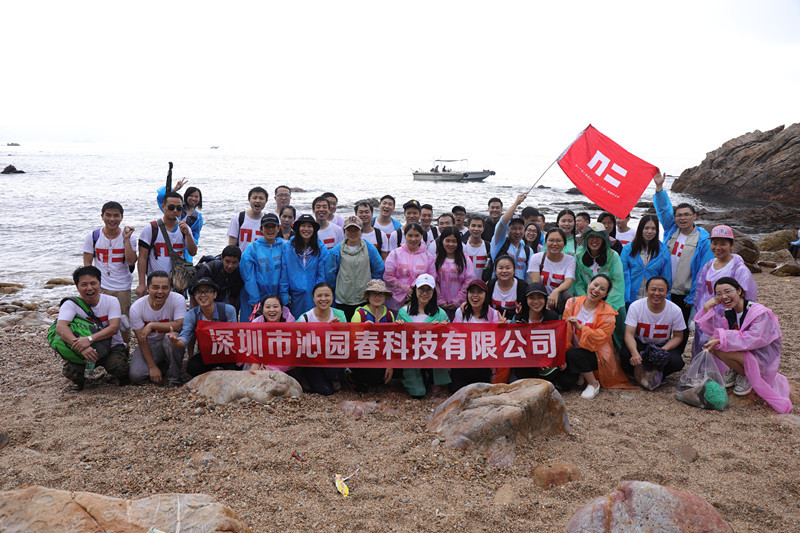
(638, 506)
(226, 386)
(786, 269)
(493, 418)
(41, 509)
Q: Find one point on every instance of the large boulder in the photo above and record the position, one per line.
(491, 419)
(42, 509)
(226, 386)
(781, 256)
(640, 506)
(755, 166)
(786, 269)
(11, 169)
(777, 240)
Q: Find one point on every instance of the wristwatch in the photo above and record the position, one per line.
(90, 339)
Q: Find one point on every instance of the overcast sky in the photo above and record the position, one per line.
(666, 79)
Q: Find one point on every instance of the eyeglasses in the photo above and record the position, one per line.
(204, 292)
(283, 195)
(726, 292)
(424, 288)
(684, 215)
(173, 207)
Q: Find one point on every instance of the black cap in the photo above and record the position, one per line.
(270, 218)
(412, 203)
(536, 288)
(303, 219)
(205, 281)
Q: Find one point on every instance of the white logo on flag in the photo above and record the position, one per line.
(602, 162)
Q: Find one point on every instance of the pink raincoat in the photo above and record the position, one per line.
(704, 291)
(401, 270)
(760, 342)
(451, 287)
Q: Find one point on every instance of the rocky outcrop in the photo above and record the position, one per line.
(226, 386)
(42, 509)
(777, 240)
(492, 418)
(11, 169)
(640, 506)
(755, 166)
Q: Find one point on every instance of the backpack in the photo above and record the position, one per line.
(489, 269)
(435, 232)
(241, 221)
(80, 327)
(95, 236)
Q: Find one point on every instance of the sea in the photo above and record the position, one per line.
(46, 213)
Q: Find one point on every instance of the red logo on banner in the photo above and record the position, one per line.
(605, 172)
(384, 345)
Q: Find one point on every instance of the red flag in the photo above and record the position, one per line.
(605, 172)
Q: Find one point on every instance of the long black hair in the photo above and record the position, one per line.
(441, 254)
(313, 242)
(260, 310)
(732, 282)
(574, 220)
(413, 303)
(602, 255)
(484, 308)
(639, 244)
(536, 242)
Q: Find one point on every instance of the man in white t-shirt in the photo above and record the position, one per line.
(653, 320)
(104, 347)
(333, 203)
(113, 251)
(425, 220)
(384, 221)
(625, 233)
(330, 234)
(459, 215)
(153, 252)
(363, 210)
(151, 318)
(476, 248)
(246, 226)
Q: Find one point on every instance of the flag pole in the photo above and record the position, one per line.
(543, 173)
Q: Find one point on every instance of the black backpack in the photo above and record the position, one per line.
(489, 270)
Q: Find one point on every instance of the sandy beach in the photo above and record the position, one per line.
(133, 442)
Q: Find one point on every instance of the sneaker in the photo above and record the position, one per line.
(729, 378)
(76, 387)
(742, 386)
(590, 392)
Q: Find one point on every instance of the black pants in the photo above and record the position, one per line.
(461, 377)
(195, 366)
(686, 309)
(320, 380)
(349, 310)
(674, 364)
(579, 360)
(364, 378)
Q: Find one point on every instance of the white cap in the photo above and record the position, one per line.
(425, 279)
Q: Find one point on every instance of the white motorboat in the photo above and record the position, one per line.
(451, 174)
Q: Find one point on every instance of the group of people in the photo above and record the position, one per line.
(625, 293)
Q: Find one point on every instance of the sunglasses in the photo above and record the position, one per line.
(173, 207)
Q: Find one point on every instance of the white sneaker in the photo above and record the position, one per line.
(729, 378)
(590, 392)
(742, 386)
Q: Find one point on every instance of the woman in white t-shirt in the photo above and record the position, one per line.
(476, 310)
(322, 380)
(505, 289)
(554, 269)
(654, 320)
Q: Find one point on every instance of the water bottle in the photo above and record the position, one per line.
(88, 372)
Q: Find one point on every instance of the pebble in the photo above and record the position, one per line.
(198, 411)
(435, 442)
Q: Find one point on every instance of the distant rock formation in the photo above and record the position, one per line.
(755, 166)
(12, 144)
(11, 169)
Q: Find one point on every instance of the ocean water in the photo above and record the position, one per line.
(46, 213)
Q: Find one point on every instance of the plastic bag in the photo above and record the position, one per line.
(701, 385)
(651, 379)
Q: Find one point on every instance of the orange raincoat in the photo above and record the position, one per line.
(596, 337)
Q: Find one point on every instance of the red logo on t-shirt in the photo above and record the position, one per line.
(117, 255)
(660, 331)
(161, 249)
(553, 280)
(246, 235)
(677, 249)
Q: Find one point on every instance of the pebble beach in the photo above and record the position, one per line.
(133, 442)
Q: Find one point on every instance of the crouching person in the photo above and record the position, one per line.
(152, 318)
(104, 347)
(204, 291)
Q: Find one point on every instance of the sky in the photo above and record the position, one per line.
(666, 80)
